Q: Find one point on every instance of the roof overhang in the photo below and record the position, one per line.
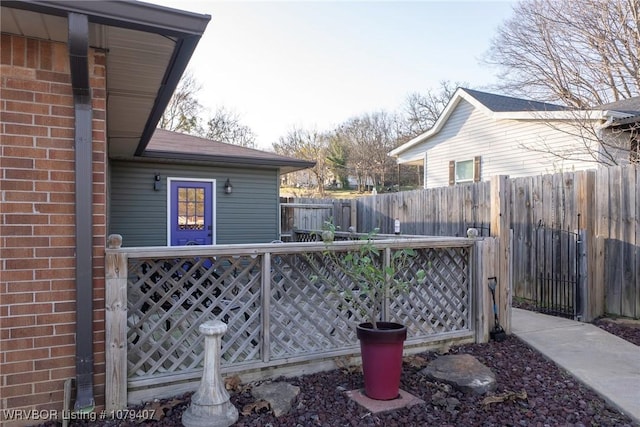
(285, 166)
(179, 148)
(621, 120)
(147, 50)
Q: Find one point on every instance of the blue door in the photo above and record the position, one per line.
(191, 213)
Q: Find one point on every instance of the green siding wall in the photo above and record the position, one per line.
(139, 213)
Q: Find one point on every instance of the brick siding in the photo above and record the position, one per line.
(37, 233)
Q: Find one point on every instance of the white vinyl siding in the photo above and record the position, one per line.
(501, 144)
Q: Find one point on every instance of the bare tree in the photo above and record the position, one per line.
(422, 110)
(307, 145)
(369, 138)
(580, 53)
(182, 113)
(225, 126)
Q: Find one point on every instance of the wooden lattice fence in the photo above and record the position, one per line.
(275, 312)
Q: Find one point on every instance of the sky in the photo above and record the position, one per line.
(315, 64)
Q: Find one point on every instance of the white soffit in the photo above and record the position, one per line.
(136, 64)
(34, 25)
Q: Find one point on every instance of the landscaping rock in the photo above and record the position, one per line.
(554, 397)
(463, 372)
(280, 396)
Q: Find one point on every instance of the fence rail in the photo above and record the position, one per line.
(276, 314)
(605, 199)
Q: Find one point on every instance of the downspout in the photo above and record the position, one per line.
(78, 57)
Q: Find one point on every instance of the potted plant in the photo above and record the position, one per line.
(381, 342)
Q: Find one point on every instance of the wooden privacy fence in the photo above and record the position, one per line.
(311, 214)
(605, 201)
(445, 211)
(277, 315)
(617, 249)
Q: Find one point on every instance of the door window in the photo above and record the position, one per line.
(191, 208)
(191, 212)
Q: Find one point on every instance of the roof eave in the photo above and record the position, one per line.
(181, 55)
(459, 93)
(620, 120)
(618, 114)
(230, 160)
(185, 27)
(135, 15)
(550, 115)
(396, 152)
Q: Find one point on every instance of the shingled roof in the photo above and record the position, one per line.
(629, 106)
(170, 145)
(502, 104)
(495, 107)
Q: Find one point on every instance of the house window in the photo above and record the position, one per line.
(463, 171)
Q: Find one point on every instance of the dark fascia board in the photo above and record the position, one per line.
(134, 15)
(186, 27)
(181, 55)
(229, 160)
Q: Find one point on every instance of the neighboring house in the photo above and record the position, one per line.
(301, 179)
(190, 190)
(306, 179)
(624, 131)
(81, 82)
(479, 135)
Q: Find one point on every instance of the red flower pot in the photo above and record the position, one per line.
(381, 351)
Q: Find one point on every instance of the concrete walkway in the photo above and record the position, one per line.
(607, 364)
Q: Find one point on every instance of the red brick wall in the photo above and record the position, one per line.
(37, 233)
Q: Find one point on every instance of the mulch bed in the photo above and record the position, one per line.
(624, 328)
(532, 391)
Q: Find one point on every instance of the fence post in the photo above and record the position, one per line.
(501, 228)
(115, 326)
(265, 289)
(353, 214)
(594, 289)
(582, 287)
(485, 254)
